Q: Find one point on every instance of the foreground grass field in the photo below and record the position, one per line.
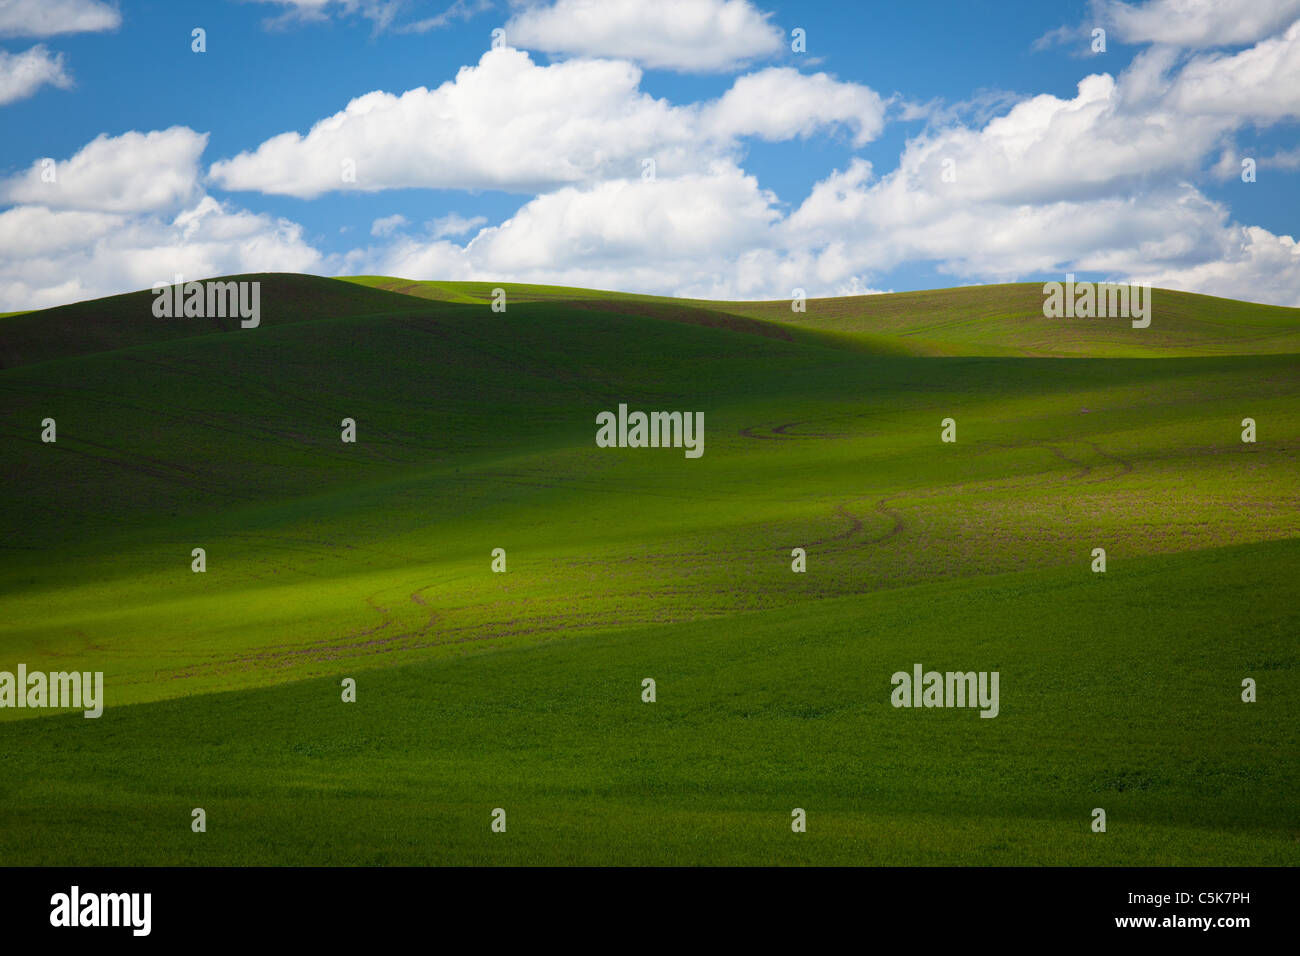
(1107, 702)
(522, 690)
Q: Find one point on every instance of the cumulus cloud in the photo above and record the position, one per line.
(565, 123)
(107, 253)
(41, 231)
(1098, 183)
(562, 123)
(45, 18)
(720, 235)
(22, 74)
(1047, 148)
(1260, 83)
(782, 103)
(682, 232)
(1252, 264)
(133, 172)
(125, 212)
(1196, 23)
(853, 218)
(715, 235)
(1157, 122)
(686, 35)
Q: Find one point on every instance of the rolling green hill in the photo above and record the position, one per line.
(987, 320)
(127, 321)
(476, 690)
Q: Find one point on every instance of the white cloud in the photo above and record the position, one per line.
(720, 235)
(1099, 183)
(684, 233)
(1228, 165)
(39, 231)
(1286, 159)
(308, 9)
(1060, 35)
(22, 74)
(134, 172)
(563, 123)
(126, 212)
(460, 10)
(454, 224)
(1157, 123)
(782, 103)
(106, 254)
(1197, 23)
(387, 225)
(381, 12)
(1261, 83)
(698, 215)
(879, 224)
(685, 35)
(1229, 162)
(1253, 264)
(573, 122)
(1045, 148)
(44, 18)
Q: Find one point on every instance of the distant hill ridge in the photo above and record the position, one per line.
(991, 320)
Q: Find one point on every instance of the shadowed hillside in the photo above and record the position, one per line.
(971, 320)
(124, 321)
(1003, 320)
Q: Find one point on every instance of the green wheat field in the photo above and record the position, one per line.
(522, 690)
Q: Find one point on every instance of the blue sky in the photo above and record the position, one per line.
(910, 146)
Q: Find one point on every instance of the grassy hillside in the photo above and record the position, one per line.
(973, 320)
(478, 690)
(128, 321)
(756, 714)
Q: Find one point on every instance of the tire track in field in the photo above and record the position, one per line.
(1084, 469)
(433, 615)
(335, 648)
(781, 430)
(780, 433)
(1126, 466)
(856, 524)
(310, 649)
(898, 523)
